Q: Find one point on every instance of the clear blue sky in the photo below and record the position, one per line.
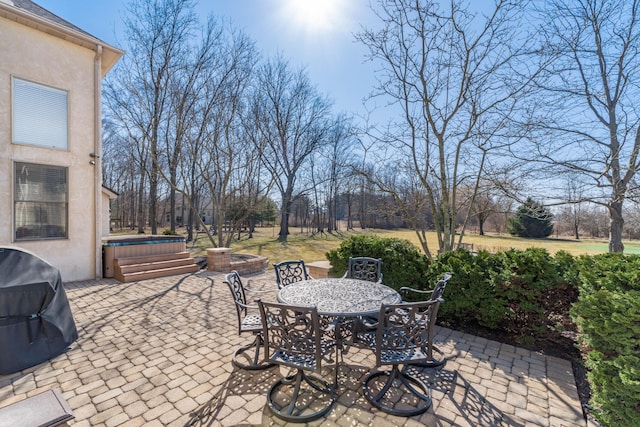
(317, 34)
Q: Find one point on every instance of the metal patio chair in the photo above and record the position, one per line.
(369, 269)
(404, 336)
(247, 323)
(293, 338)
(437, 355)
(288, 272)
(364, 268)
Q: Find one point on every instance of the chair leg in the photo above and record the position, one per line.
(290, 411)
(436, 360)
(412, 385)
(339, 361)
(364, 336)
(243, 352)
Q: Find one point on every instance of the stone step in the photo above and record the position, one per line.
(152, 265)
(154, 274)
(152, 258)
(130, 269)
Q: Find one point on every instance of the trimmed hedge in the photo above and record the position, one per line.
(514, 291)
(471, 295)
(402, 263)
(530, 293)
(608, 314)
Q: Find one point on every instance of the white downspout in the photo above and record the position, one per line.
(97, 149)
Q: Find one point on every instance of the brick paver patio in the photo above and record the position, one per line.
(158, 353)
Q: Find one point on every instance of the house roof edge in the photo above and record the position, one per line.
(63, 30)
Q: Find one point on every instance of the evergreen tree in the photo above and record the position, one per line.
(531, 220)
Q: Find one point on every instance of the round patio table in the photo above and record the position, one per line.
(340, 297)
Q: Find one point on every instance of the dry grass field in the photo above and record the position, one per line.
(313, 247)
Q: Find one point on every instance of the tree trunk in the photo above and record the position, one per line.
(132, 211)
(172, 207)
(360, 208)
(616, 223)
(349, 212)
(284, 218)
(284, 226)
(153, 199)
(252, 226)
(141, 204)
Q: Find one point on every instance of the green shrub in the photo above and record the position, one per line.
(568, 269)
(526, 293)
(402, 263)
(471, 295)
(524, 277)
(608, 315)
(168, 232)
(515, 291)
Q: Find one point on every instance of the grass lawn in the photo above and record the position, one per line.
(313, 247)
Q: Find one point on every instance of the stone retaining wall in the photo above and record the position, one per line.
(220, 260)
(319, 269)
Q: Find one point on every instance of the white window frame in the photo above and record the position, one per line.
(40, 115)
(40, 201)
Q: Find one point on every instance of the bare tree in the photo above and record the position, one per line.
(185, 86)
(632, 221)
(362, 167)
(218, 147)
(504, 210)
(338, 154)
(575, 199)
(181, 98)
(329, 170)
(452, 78)
(587, 118)
(119, 172)
(484, 205)
(595, 221)
(158, 33)
(293, 121)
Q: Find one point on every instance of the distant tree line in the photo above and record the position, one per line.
(482, 111)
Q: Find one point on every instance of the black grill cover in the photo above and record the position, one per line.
(36, 323)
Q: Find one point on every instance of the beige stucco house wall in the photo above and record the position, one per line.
(38, 47)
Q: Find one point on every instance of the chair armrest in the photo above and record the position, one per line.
(253, 307)
(256, 291)
(404, 291)
(368, 322)
(266, 291)
(331, 326)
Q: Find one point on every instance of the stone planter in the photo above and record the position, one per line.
(224, 261)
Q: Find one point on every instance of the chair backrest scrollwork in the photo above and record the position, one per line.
(237, 291)
(404, 328)
(288, 272)
(292, 335)
(365, 268)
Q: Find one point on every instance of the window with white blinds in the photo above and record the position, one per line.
(40, 202)
(39, 115)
